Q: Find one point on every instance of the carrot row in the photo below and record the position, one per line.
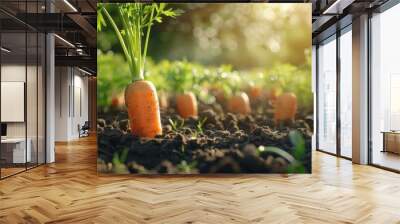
(285, 105)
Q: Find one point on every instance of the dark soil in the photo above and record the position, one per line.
(213, 143)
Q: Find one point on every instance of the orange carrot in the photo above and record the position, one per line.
(140, 96)
(239, 104)
(114, 102)
(285, 107)
(144, 114)
(117, 101)
(186, 104)
(255, 93)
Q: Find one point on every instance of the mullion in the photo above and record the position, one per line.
(0, 92)
(338, 96)
(26, 86)
(45, 88)
(317, 96)
(369, 100)
(37, 90)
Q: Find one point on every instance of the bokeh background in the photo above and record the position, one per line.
(271, 42)
(244, 35)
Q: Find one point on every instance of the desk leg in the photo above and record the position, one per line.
(384, 142)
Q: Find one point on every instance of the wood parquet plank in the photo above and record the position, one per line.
(70, 191)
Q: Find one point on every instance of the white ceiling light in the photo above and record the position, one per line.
(70, 5)
(5, 50)
(84, 71)
(338, 6)
(65, 41)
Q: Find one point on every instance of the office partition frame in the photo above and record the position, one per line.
(43, 55)
(382, 8)
(337, 35)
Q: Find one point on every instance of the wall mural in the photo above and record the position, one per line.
(204, 88)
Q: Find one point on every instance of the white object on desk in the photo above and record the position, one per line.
(19, 149)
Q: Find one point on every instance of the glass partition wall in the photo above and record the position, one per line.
(334, 84)
(22, 77)
(385, 89)
(327, 95)
(346, 95)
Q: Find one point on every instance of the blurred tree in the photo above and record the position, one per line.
(244, 35)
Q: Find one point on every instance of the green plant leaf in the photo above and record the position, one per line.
(299, 144)
(296, 138)
(278, 151)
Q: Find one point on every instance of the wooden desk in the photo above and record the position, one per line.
(13, 150)
(391, 141)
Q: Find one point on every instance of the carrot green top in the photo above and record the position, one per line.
(134, 30)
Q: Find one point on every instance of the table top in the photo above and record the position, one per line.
(391, 132)
(13, 140)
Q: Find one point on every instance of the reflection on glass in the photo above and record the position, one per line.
(22, 90)
(385, 83)
(15, 151)
(31, 97)
(327, 96)
(41, 99)
(346, 94)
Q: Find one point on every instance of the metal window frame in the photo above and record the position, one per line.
(339, 32)
(381, 9)
(386, 6)
(44, 75)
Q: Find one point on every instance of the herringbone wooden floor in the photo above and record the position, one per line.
(70, 191)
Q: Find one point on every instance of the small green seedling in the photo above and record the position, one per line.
(184, 167)
(200, 125)
(119, 160)
(176, 125)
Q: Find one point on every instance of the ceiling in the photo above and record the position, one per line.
(74, 22)
(331, 15)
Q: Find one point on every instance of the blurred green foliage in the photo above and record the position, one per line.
(114, 77)
(218, 46)
(243, 35)
(295, 158)
(293, 79)
(179, 76)
(299, 152)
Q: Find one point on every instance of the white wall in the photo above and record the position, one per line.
(62, 81)
(33, 126)
(70, 83)
(14, 73)
(80, 94)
